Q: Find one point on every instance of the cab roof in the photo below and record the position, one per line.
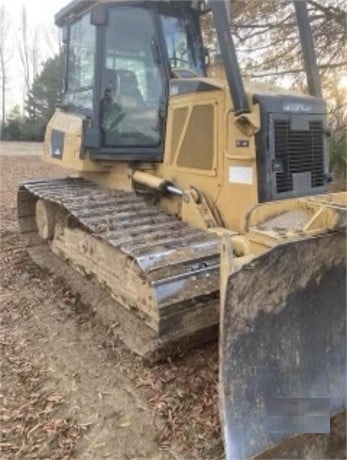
(75, 7)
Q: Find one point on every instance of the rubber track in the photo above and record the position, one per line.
(180, 263)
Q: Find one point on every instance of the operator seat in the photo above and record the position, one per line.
(124, 115)
(128, 93)
(111, 113)
(110, 81)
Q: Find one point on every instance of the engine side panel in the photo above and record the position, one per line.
(63, 144)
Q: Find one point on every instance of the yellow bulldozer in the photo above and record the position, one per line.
(198, 203)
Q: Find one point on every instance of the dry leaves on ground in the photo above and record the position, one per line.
(29, 415)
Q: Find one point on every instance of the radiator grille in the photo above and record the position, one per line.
(297, 152)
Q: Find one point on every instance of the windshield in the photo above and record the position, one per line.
(182, 49)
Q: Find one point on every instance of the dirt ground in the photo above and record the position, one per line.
(20, 148)
(67, 390)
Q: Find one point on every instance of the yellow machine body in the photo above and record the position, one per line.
(224, 175)
(171, 248)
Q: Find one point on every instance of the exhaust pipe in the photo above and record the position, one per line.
(221, 17)
(311, 68)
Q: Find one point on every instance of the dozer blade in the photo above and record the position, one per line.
(282, 346)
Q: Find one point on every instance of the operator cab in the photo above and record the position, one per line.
(119, 60)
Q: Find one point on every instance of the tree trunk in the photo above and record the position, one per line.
(3, 91)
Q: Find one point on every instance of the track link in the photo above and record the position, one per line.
(150, 269)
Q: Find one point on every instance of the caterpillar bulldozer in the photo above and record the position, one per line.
(198, 203)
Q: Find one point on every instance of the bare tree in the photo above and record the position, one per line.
(268, 40)
(269, 49)
(53, 41)
(23, 48)
(6, 54)
(28, 47)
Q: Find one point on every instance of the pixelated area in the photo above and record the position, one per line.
(298, 415)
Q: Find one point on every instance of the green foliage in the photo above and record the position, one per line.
(14, 127)
(39, 106)
(338, 155)
(45, 91)
(336, 97)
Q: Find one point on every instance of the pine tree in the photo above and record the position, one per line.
(43, 96)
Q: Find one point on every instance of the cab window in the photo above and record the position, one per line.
(182, 50)
(80, 64)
